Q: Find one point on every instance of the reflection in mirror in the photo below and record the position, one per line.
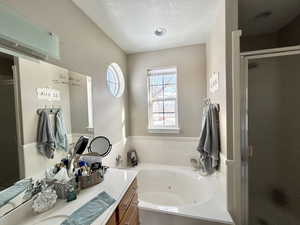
(37, 86)
(81, 103)
(9, 160)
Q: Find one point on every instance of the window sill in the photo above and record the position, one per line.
(164, 130)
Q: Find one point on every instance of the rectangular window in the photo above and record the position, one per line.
(162, 100)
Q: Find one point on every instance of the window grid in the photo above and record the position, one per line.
(161, 98)
(113, 81)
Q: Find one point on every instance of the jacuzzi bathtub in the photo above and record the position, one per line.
(181, 191)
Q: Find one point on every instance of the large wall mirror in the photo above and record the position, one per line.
(29, 87)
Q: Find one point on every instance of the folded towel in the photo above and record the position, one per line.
(61, 132)
(89, 212)
(45, 137)
(209, 146)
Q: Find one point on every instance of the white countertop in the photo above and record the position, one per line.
(116, 183)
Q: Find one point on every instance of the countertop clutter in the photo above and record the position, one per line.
(119, 184)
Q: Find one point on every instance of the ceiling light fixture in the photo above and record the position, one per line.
(160, 31)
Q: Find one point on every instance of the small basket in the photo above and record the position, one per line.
(62, 189)
(88, 181)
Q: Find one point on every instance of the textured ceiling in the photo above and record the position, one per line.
(283, 12)
(131, 23)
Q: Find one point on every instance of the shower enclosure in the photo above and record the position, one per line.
(269, 129)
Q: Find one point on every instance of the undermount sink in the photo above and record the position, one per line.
(52, 220)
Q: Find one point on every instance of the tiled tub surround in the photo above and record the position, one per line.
(116, 183)
(180, 194)
(173, 151)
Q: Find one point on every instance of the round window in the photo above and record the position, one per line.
(115, 80)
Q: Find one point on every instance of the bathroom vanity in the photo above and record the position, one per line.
(119, 184)
(126, 212)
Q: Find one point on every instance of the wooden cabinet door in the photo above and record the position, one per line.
(112, 220)
(131, 215)
(126, 201)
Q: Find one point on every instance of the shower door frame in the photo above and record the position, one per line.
(245, 151)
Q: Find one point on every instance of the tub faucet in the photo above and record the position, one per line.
(196, 164)
(119, 161)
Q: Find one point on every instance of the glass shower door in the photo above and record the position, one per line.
(273, 119)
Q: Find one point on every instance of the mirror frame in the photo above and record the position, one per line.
(109, 145)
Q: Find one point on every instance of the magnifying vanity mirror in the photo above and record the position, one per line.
(100, 145)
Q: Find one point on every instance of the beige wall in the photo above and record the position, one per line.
(219, 59)
(216, 62)
(191, 65)
(84, 49)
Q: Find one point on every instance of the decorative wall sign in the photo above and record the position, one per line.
(214, 82)
(48, 94)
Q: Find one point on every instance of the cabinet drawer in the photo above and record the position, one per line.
(127, 199)
(131, 215)
(112, 220)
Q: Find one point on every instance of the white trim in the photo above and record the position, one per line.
(164, 130)
(160, 138)
(272, 50)
(235, 162)
(161, 68)
(120, 76)
(149, 105)
(89, 89)
(270, 55)
(29, 145)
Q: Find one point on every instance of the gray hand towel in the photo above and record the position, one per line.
(60, 131)
(89, 212)
(209, 146)
(45, 137)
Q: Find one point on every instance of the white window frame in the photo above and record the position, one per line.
(90, 102)
(120, 82)
(151, 128)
